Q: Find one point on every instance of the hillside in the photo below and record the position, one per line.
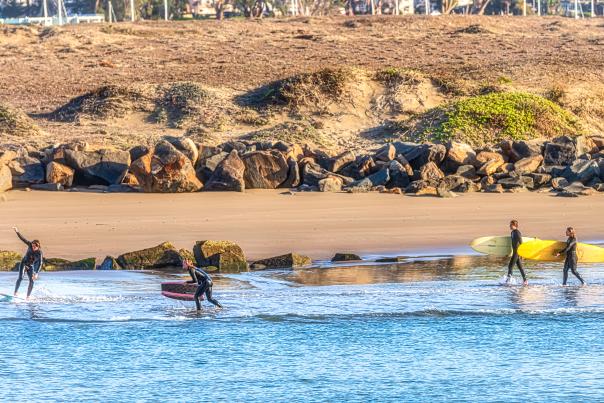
(340, 82)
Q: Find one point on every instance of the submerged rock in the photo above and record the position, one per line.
(58, 264)
(109, 263)
(163, 255)
(345, 257)
(226, 255)
(289, 260)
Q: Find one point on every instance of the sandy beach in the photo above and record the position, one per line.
(266, 223)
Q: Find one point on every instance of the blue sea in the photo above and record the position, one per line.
(426, 329)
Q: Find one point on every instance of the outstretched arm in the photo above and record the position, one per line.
(21, 237)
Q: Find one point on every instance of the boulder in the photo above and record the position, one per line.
(581, 171)
(264, 169)
(312, 173)
(386, 153)
(7, 156)
(109, 263)
(459, 154)
(293, 151)
(340, 161)
(293, 174)
(586, 145)
(362, 167)
(289, 260)
(490, 167)
(229, 175)
(165, 170)
(102, 167)
(452, 183)
(559, 183)
(186, 146)
(430, 171)
(444, 193)
(598, 141)
(379, 178)
(421, 187)
(58, 264)
(486, 156)
(207, 165)
(162, 255)
(48, 187)
(9, 260)
(26, 171)
(487, 181)
(561, 154)
(137, 152)
(345, 257)
(403, 161)
(494, 188)
(528, 164)
(576, 189)
(467, 171)
(240, 146)
(506, 168)
(330, 184)
(525, 149)
(225, 255)
(429, 153)
(6, 178)
(540, 180)
(399, 178)
(516, 182)
(60, 174)
(130, 180)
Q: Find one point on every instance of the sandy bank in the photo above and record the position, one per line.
(76, 225)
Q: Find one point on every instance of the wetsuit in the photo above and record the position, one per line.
(30, 264)
(204, 282)
(570, 263)
(516, 260)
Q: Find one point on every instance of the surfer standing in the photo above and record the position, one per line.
(204, 283)
(570, 263)
(30, 264)
(515, 259)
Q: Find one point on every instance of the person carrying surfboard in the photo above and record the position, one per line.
(570, 262)
(31, 263)
(515, 259)
(204, 283)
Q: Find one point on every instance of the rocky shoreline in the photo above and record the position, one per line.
(215, 256)
(569, 166)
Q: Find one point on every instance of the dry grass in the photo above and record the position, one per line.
(299, 63)
(15, 123)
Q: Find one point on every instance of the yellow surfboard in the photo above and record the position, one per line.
(545, 251)
(496, 245)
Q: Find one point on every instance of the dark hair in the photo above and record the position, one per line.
(36, 243)
(514, 223)
(572, 232)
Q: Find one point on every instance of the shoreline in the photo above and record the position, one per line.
(267, 223)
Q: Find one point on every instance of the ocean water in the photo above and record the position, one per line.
(428, 329)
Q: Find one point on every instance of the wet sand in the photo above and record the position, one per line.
(264, 223)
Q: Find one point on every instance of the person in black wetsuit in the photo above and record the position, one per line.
(204, 284)
(570, 263)
(515, 259)
(30, 264)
